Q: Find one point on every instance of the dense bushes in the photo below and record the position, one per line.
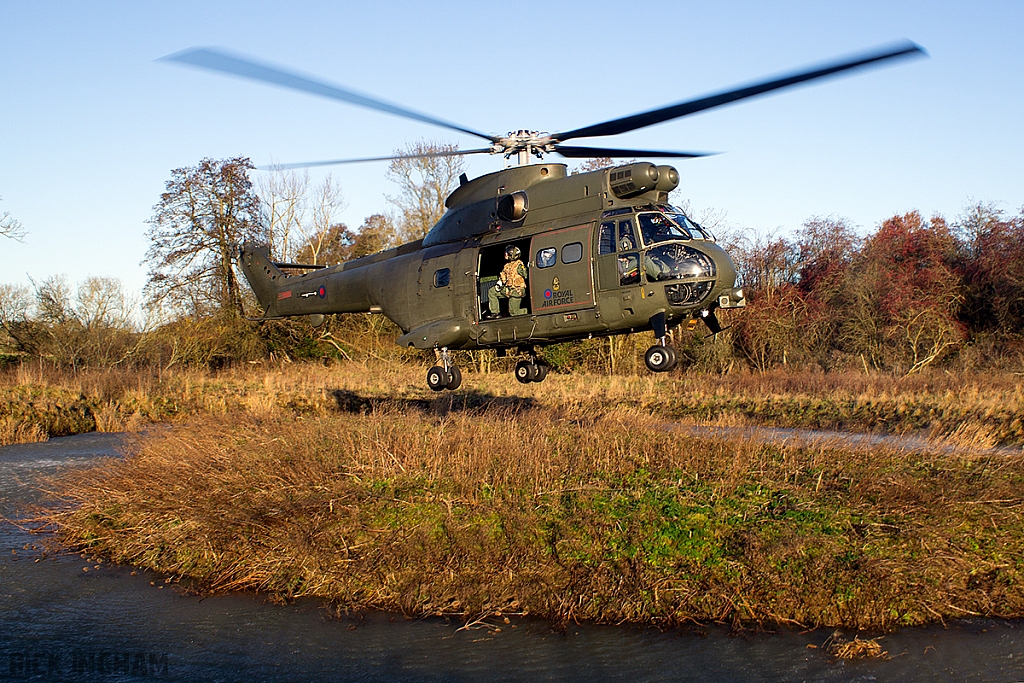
(913, 294)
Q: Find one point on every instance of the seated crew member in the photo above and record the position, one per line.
(656, 268)
(629, 269)
(511, 285)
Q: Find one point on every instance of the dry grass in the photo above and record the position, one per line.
(14, 430)
(566, 499)
(963, 409)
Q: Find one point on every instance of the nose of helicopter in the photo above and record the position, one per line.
(725, 269)
(726, 293)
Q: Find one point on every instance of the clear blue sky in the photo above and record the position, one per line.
(91, 125)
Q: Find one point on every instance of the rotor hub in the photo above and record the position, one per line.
(525, 144)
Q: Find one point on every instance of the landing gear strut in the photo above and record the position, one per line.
(444, 375)
(533, 370)
(661, 357)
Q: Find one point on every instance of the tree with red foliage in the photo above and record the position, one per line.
(902, 294)
(826, 247)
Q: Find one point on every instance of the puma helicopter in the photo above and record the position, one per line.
(592, 254)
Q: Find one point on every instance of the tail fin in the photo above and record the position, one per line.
(262, 274)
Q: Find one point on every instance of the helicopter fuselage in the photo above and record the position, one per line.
(604, 253)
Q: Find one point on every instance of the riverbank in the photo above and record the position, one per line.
(567, 500)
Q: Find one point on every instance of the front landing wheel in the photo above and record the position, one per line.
(660, 358)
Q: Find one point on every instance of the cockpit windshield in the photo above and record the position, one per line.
(656, 227)
(696, 231)
(661, 227)
(677, 262)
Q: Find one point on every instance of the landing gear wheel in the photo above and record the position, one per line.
(674, 358)
(526, 371)
(542, 371)
(456, 378)
(438, 378)
(659, 358)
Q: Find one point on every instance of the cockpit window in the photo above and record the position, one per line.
(677, 262)
(617, 212)
(656, 227)
(607, 242)
(672, 225)
(696, 231)
(626, 239)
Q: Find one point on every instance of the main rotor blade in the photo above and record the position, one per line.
(311, 164)
(215, 60)
(675, 111)
(584, 152)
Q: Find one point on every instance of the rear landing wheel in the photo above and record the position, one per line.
(456, 378)
(526, 372)
(542, 371)
(438, 378)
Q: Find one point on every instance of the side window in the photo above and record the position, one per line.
(546, 257)
(572, 252)
(607, 244)
(629, 269)
(627, 238)
(442, 277)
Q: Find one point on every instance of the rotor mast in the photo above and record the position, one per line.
(524, 144)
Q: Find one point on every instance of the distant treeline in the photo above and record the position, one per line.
(914, 293)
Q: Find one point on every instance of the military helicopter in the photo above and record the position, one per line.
(528, 256)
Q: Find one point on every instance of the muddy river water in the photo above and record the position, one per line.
(59, 622)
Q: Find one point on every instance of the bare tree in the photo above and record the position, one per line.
(595, 164)
(283, 204)
(825, 246)
(992, 258)
(765, 263)
(321, 230)
(424, 184)
(10, 227)
(16, 328)
(708, 217)
(376, 234)
(206, 211)
(975, 226)
(93, 325)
